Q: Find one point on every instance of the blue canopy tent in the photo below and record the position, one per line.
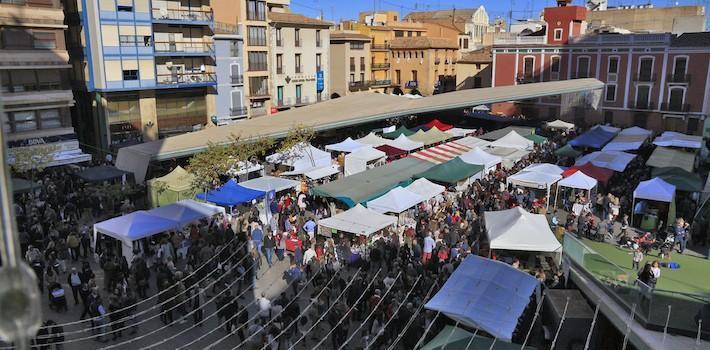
(595, 137)
(486, 294)
(231, 194)
(132, 227)
(186, 211)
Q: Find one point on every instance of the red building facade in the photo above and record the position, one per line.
(657, 81)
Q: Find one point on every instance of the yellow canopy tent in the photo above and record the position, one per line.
(175, 186)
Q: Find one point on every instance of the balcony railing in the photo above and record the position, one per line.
(386, 82)
(645, 77)
(622, 39)
(653, 308)
(226, 28)
(182, 15)
(28, 87)
(184, 47)
(259, 93)
(675, 107)
(293, 101)
(237, 111)
(519, 40)
(237, 79)
(299, 69)
(380, 47)
(385, 65)
(526, 79)
(359, 85)
(362, 68)
(352, 68)
(279, 70)
(678, 78)
(186, 78)
(641, 105)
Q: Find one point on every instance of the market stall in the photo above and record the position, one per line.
(497, 134)
(231, 194)
(596, 137)
(536, 180)
(362, 159)
(357, 220)
(373, 140)
(436, 123)
(441, 153)
(271, 183)
(425, 188)
(454, 172)
(130, 228)
(478, 156)
(103, 173)
(397, 133)
(455, 338)
(300, 159)
(617, 161)
(175, 186)
(517, 229)
(663, 157)
(652, 199)
(471, 142)
(629, 139)
(395, 201)
(559, 125)
(513, 140)
(346, 146)
(392, 152)
(676, 139)
(404, 143)
(577, 180)
(600, 174)
(460, 132)
(568, 151)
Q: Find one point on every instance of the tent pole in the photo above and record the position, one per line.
(633, 211)
(557, 192)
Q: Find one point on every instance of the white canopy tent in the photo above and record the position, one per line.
(348, 145)
(358, 220)
(578, 180)
(459, 132)
(516, 229)
(510, 155)
(243, 168)
(676, 139)
(513, 140)
(560, 125)
(545, 168)
(655, 189)
(481, 157)
(629, 139)
(472, 142)
(270, 183)
(319, 173)
(373, 140)
(614, 160)
(302, 158)
(425, 188)
(359, 160)
(395, 201)
(404, 143)
(534, 179)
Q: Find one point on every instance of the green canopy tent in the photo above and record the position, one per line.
(372, 183)
(567, 151)
(681, 179)
(23, 186)
(455, 338)
(400, 131)
(173, 187)
(451, 172)
(537, 139)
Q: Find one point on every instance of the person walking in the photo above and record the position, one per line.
(74, 281)
(636, 260)
(428, 248)
(269, 245)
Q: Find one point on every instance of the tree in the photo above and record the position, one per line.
(27, 161)
(160, 187)
(298, 140)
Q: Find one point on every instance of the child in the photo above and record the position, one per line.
(638, 256)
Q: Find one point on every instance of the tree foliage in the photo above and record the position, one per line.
(33, 158)
(297, 141)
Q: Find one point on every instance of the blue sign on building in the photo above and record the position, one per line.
(320, 84)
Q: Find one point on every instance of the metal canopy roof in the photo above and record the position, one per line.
(349, 110)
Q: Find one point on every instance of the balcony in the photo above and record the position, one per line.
(189, 17)
(293, 101)
(359, 85)
(380, 66)
(381, 83)
(262, 93)
(237, 111)
(675, 107)
(184, 48)
(362, 68)
(641, 105)
(678, 79)
(645, 78)
(30, 13)
(603, 274)
(226, 28)
(513, 39)
(379, 47)
(186, 79)
(623, 39)
(299, 69)
(237, 79)
(526, 79)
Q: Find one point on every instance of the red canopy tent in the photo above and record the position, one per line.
(391, 152)
(591, 170)
(438, 124)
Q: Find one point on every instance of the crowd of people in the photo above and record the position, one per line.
(343, 289)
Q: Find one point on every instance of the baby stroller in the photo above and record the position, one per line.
(57, 299)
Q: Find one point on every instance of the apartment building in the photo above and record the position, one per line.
(300, 59)
(349, 62)
(145, 68)
(382, 28)
(230, 103)
(474, 69)
(650, 19)
(424, 64)
(34, 80)
(471, 24)
(659, 81)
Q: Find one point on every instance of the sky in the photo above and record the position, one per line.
(336, 10)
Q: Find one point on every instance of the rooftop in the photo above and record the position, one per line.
(295, 18)
(349, 35)
(423, 42)
(484, 55)
(701, 39)
(460, 14)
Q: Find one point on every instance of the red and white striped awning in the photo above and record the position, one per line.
(441, 153)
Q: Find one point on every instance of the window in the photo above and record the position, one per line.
(398, 33)
(130, 74)
(259, 86)
(278, 37)
(362, 76)
(477, 82)
(693, 124)
(414, 75)
(675, 99)
(14, 38)
(362, 64)
(24, 121)
(558, 34)
(256, 36)
(608, 117)
(357, 46)
(352, 64)
(256, 10)
(555, 68)
(236, 104)
(21, 80)
(318, 62)
(236, 73)
(234, 48)
(124, 8)
(398, 76)
(680, 67)
(127, 40)
(643, 93)
(279, 64)
(297, 37)
(352, 77)
(33, 120)
(50, 119)
(645, 69)
(257, 61)
(528, 66)
(613, 69)
(582, 67)
(44, 40)
(318, 43)
(297, 60)
(465, 43)
(610, 95)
